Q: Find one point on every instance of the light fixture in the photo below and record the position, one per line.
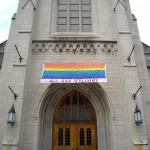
(137, 115)
(134, 95)
(129, 58)
(11, 116)
(20, 58)
(14, 94)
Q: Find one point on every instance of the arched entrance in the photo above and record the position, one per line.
(51, 100)
(74, 123)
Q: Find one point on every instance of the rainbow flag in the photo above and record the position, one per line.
(73, 72)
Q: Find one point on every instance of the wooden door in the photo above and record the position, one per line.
(64, 138)
(74, 123)
(86, 137)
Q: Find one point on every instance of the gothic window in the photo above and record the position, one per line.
(74, 107)
(74, 16)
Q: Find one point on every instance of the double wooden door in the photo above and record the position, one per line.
(74, 137)
(74, 123)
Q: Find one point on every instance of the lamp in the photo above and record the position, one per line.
(20, 58)
(11, 116)
(15, 95)
(129, 58)
(137, 115)
(134, 95)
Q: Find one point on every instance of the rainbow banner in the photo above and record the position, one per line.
(73, 72)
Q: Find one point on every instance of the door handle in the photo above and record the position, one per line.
(76, 147)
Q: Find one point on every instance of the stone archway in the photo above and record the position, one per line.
(74, 123)
(98, 99)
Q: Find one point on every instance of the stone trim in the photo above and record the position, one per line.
(141, 142)
(24, 31)
(124, 32)
(10, 143)
(19, 64)
(75, 47)
(74, 34)
(94, 93)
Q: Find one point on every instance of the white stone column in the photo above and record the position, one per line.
(130, 79)
(13, 74)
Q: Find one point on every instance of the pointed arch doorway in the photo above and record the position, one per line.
(74, 123)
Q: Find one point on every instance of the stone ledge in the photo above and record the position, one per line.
(24, 31)
(129, 64)
(124, 32)
(10, 143)
(19, 64)
(74, 34)
(141, 142)
(109, 48)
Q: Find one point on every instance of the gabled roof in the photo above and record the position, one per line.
(133, 17)
(2, 46)
(145, 44)
(2, 49)
(146, 48)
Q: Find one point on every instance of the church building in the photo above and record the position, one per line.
(74, 77)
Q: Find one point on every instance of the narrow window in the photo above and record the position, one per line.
(67, 136)
(61, 114)
(74, 107)
(88, 113)
(88, 136)
(67, 114)
(81, 107)
(62, 15)
(60, 136)
(86, 15)
(68, 100)
(81, 136)
(67, 108)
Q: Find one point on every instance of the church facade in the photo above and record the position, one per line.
(112, 114)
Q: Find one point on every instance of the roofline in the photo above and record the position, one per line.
(3, 42)
(146, 44)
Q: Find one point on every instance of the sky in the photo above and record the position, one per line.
(140, 8)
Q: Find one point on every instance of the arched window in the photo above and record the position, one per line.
(74, 16)
(74, 107)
